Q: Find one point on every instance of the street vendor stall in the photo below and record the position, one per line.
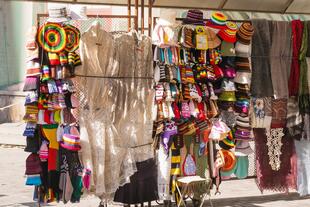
(136, 118)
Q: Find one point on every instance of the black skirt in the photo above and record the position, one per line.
(142, 187)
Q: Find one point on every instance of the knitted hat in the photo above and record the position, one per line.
(71, 142)
(31, 83)
(74, 59)
(243, 148)
(243, 87)
(230, 160)
(243, 50)
(63, 58)
(57, 13)
(228, 34)
(32, 49)
(243, 77)
(245, 33)
(33, 180)
(227, 143)
(213, 40)
(243, 63)
(228, 85)
(30, 129)
(33, 164)
(54, 58)
(217, 20)
(194, 16)
(33, 143)
(33, 69)
(229, 72)
(227, 96)
(31, 98)
(43, 153)
(243, 121)
(45, 73)
(242, 134)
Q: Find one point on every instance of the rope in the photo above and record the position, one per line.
(114, 77)
(8, 106)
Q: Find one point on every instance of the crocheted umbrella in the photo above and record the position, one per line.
(72, 38)
(52, 37)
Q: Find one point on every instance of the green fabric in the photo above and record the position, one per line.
(303, 99)
(77, 186)
(242, 168)
(203, 171)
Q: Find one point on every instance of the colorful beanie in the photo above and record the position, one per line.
(63, 58)
(45, 73)
(43, 153)
(71, 142)
(53, 58)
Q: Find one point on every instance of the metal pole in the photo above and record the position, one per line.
(142, 16)
(137, 14)
(150, 17)
(129, 14)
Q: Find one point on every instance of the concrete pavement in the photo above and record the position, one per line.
(13, 192)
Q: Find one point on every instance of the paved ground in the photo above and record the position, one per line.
(13, 192)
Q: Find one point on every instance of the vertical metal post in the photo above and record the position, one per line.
(137, 15)
(150, 17)
(142, 16)
(129, 14)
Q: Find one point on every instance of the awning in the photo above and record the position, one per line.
(266, 6)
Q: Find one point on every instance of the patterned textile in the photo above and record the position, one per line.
(120, 109)
(279, 111)
(268, 179)
(262, 113)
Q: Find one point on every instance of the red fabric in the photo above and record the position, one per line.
(52, 159)
(176, 110)
(47, 117)
(268, 179)
(293, 84)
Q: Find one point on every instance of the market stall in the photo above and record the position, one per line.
(171, 115)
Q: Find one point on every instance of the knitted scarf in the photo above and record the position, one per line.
(303, 100)
(293, 83)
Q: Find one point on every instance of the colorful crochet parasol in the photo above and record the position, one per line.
(72, 38)
(52, 37)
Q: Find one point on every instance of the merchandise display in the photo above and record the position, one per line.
(53, 137)
(197, 100)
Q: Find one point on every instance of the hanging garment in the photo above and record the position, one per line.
(142, 187)
(133, 113)
(304, 98)
(268, 179)
(303, 166)
(111, 162)
(261, 83)
(293, 84)
(280, 60)
(163, 173)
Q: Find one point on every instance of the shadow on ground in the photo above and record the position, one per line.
(253, 201)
